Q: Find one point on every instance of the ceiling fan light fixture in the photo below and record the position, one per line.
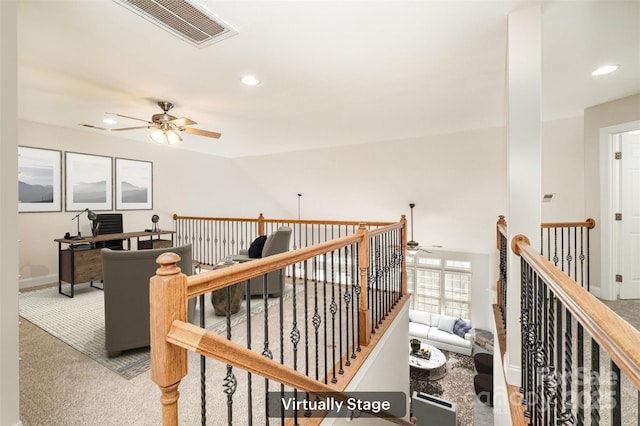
(165, 137)
(412, 247)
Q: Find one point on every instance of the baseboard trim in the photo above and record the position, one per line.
(37, 281)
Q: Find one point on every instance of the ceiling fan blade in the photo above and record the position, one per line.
(133, 128)
(127, 116)
(200, 132)
(182, 121)
(91, 126)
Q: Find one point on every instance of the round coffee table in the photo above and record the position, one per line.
(435, 367)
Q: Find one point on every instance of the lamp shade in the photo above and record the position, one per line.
(165, 137)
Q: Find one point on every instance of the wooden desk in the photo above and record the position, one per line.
(81, 262)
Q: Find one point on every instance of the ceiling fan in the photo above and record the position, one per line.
(167, 127)
(413, 246)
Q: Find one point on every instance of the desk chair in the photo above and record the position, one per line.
(109, 223)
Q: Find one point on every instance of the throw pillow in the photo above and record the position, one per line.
(460, 328)
(255, 249)
(446, 323)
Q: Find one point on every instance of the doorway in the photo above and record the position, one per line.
(620, 210)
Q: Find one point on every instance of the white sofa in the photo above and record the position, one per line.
(437, 330)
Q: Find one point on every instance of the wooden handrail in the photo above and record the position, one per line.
(615, 335)
(223, 277)
(589, 223)
(292, 221)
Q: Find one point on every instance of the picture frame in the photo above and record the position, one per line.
(134, 184)
(39, 180)
(88, 182)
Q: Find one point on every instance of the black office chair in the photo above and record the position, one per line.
(109, 223)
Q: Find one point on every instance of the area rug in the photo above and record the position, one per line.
(79, 322)
(456, 386)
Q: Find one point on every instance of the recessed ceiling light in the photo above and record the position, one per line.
(250, 80)
(109, 121)
(605, 69)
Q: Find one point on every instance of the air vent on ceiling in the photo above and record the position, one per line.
(188, 20)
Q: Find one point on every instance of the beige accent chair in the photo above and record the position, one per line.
(276, 243)
(126, 276)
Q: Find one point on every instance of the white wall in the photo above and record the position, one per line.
(563, 170)
(385, 370)
(457, 181)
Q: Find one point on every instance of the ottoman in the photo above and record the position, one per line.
(483, 386)
(483, 363)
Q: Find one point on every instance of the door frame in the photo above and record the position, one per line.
(609, 199)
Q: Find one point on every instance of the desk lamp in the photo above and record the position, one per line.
(91, 215)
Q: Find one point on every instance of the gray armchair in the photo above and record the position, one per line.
(278, 242)
(126, 277)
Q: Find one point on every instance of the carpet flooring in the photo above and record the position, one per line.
(79, 322)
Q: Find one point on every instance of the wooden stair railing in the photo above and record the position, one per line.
(171, 335)
(214, 238)
(552, 304)
(573, 259)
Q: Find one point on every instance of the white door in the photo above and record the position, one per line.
(630, 209)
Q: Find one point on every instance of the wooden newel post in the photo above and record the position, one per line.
(168, 300)
(363, 312)
(260, 224)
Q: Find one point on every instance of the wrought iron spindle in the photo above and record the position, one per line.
(333, 309)
(247, 292)
(616, 394)
(581, 374)
(340, 326)
(566, 417)
(595, 383)
(230, 382)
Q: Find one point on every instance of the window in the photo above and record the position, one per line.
(440, 283)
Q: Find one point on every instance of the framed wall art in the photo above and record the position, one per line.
(39, 180)
(134, 184)
(89, 182)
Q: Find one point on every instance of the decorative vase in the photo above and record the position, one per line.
(415, 345)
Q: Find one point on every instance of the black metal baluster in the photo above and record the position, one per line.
(566, 417)
(347, 305)
(555, 248)
(316, 321)
(266, 351)
(575, 254)
(324, 305)
(354, 299)
(588, 264)
(581, 376)
(616, 395)
(230, 382)
(333, 309)
(247, 292)
(562, 259)
(295, 339)
(357, 300)
(595, 382)
(550, 381)
(559, 365)
(203, 370)
(341, 368)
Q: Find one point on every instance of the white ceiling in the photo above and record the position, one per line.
(332, 72)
